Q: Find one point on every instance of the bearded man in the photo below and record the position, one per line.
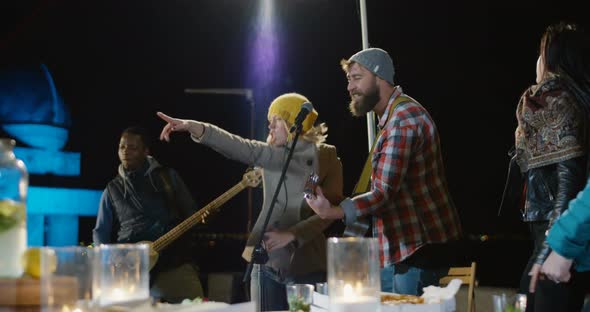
(407, 200)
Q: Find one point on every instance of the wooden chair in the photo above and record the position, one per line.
(467, 276)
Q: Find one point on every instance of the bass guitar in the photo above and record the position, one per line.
(250, 179)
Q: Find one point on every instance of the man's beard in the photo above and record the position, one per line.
(365, 103)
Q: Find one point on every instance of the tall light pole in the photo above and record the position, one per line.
(365, 38)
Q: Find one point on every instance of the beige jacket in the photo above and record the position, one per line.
(291, 212)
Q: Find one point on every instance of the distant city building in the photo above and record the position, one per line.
(33, 113)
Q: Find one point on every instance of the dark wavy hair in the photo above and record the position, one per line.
(565, 51)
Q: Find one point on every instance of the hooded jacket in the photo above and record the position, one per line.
(135, 206)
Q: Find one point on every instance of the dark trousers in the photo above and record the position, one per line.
(565, 297)
(550, 296)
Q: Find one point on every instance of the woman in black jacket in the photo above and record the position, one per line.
(551, 143)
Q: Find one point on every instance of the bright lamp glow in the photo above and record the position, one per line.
(264, 53)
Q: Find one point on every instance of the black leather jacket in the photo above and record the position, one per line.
(548, 191)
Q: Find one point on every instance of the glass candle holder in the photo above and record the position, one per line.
(121, 274)
(299, 297)
(66, 278)
(354, 281)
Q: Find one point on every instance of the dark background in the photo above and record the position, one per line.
(116, 63)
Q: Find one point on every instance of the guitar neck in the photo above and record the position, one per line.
(197, 217)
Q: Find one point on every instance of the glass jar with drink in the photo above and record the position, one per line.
(14, 181)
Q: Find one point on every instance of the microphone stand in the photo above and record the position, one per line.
(259, 254)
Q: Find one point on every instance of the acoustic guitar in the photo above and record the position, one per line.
(250, 179)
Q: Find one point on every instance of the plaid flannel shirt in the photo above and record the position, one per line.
(408, 200)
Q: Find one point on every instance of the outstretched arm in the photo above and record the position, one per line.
(569, 237)
(193, 127)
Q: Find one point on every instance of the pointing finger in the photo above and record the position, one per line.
(164, 116)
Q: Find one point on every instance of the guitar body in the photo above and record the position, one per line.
(359, 228)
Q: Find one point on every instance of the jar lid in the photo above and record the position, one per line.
(6, 142)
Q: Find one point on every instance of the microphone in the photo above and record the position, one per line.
(306, 108)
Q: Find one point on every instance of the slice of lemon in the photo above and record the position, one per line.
(37, 261)
(11, 214)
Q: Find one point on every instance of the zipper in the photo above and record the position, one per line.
(523, 200)
(547, 189)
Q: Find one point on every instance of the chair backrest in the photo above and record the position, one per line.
(467, 276)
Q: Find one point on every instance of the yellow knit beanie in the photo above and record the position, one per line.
(287, 106)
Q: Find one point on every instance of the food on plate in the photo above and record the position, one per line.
(401, 299)
(196, 300)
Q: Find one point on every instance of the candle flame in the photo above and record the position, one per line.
(347, 291)
(353, 290)
(117, 293)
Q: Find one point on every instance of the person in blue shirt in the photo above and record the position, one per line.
(569, 238)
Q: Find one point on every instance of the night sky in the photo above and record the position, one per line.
(116, 63)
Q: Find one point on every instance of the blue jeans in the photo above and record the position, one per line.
(409, 280)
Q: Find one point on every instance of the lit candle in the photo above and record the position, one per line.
(351, 300)
(354, 274)
(67, 308)
(119, 295)
(121, 273)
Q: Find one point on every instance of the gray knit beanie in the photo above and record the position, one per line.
(376, 61)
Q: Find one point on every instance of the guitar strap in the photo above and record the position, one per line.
(166, 178)
(363, 185)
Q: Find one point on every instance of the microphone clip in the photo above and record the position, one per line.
(306, 108)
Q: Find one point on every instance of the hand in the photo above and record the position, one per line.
(195, 128)
(322, 207)
(557, 268)
(277, 239)
(535, 273)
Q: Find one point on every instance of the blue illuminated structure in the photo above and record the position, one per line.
(32, 112)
